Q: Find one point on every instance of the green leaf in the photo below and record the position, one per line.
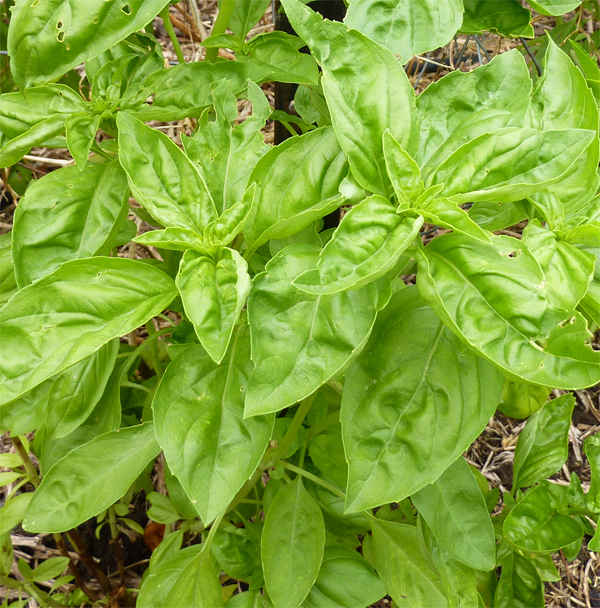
(292, 545)
(68, 214)
(367, 244)
(50, 568)
(345, 579)
(90, 479)
(455, 510)
(208, 445)
(163, 180)
(8, 282)
(509, 319)
(406, 574)
(406, 27)
(360, 112)
(534, 524)
(162, 510)
(591, 448)
(197, 585)
(463, 105)
(81, 133)
(246, 15)
(496, 216)
(297, 182)
(27, 412)
(225, 152)
(298, 342)
(177, 239)
(505, 17)
(399, 432)
(327, 454)
(543, 444)
(213, 294)
(521, 400)
(509, 164)
(47, 39)
(13, 511)
(520, 585)
(67, 315)
(554, 7)
(76, 391)
(238, 550)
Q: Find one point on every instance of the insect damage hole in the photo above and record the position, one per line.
(61, 37)
(59, 25)
(126, 9)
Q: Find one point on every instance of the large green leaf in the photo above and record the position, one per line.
(587, 238)
(198, 413)
(198, 585)
(406, 27)
(543, 444)
(505, 17)
(494, 296)
(299, 340)
(345, 579)
(68, 214)
(455, 510)
(297, 182)
(90, 479)
(512, 163)
(520, 585)
(406, 574)
(367, 244)
(246, 15)
(292, 545)
(226, 152)
(8, 282)
(408, 413)
(554, 7)
(464, 105)
(48, 38)
(162, 178)
(67, 315)
(360, 112)
(535, 524)
(213, 295)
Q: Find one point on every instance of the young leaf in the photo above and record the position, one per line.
(521, 400)
(298, 341)
(246, 15)
(162, 178)
(226, 152)
(67, 315)
(13, 511)
(213, 294)
(509, 164)
(177, 239)
(47, 39)
(209, 446)
(367, 244)
(238, 550)
(455, 510)
(505, 17)
(509, 320)
(406, 574)
(520, 584)
(90, 479)
(398, 435)
(535, 524)
(403, 171)
(50, 568)
(406, 27)
(297, 182)
(360, 113)
(198, 585)
(292, 545)
(554, 7)
(543, 444)
(65, 215)
(81, 132)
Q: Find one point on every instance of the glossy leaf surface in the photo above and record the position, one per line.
(520, 584)
(505, 17)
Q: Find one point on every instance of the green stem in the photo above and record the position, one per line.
(164, 14)
(141, 387)
(314, 478)
(154, 350)
(147, 342)
(213, 531)
(114, 533)
(225, 11)
(323, 424)
(302, 453)
(31, 470)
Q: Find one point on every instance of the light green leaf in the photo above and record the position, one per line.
(163, 180)
(13, 511)
(50, 568)
(213, 294)
(534, 524)
(496, 216)
(406, 574)
(292, 545)
(345, 579)
(543, 444)
(327, 454)
(208, 445)
(8, 282)
(297, 182)
(67, 315)
(509, 164)
(298, 342)
(521, 400)
(225, 152)
(406, 27)
(408, 413)
(403, 171)
(47, 39)
(505, 17)
(464, 105)
(178, 239)
(162, 510)
(68, 214)
(455, 510)
(360, 112)
(367, 244)
(28, 412)
(90, 479)
(246, 15)
(591, 448)
(81, 132)
(509, 319)
(554, 7)
(227, 226)
(520, 585)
